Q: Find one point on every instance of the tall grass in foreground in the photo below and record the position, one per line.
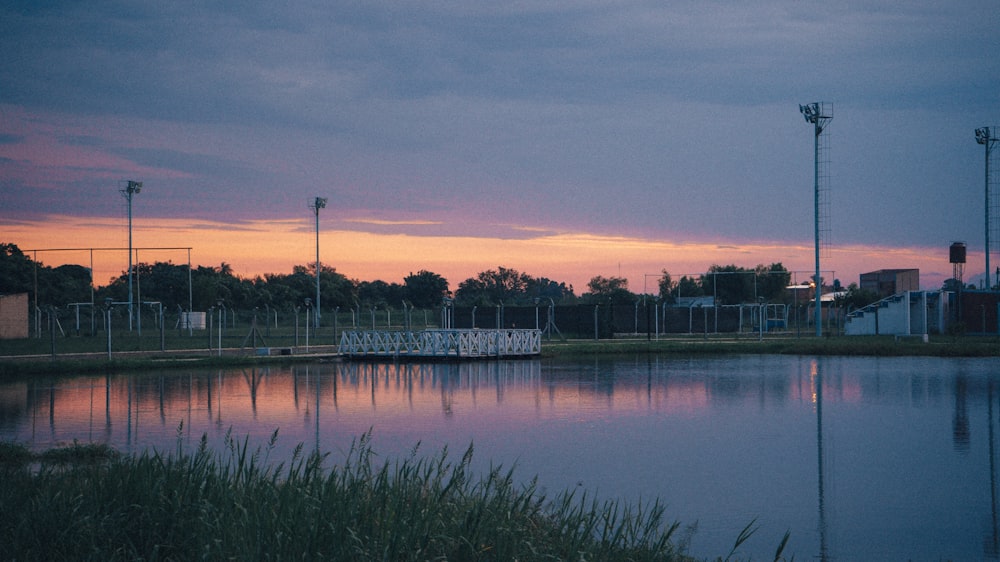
(235, 505)
(89, 502)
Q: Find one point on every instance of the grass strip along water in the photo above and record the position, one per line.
(13, 364)
(90, 502)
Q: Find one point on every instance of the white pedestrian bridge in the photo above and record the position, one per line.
(470, 344)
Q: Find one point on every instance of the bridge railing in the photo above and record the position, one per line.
(441, 343)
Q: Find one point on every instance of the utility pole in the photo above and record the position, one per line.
(984, 136)
(131, 188)
(813, 113)
(318, 203)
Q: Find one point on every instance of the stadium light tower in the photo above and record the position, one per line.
(130, 189)
(814, 113)
(317, 204)
(985, 136)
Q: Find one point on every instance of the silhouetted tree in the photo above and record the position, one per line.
(950, 284)
(688, 287)
(543, 288)
(210, 284)
(666, 285)
(16, 270)
(64, 284)
(380, 294)
(734, 285)
(856, 297)
(425, 289)
(56, 286)
(501, 285)
(163, 282)
(603, 289)
(290, 290)
(335, 289)
(772, 282)
(729, 284)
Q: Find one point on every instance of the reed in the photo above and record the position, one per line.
(237, 504)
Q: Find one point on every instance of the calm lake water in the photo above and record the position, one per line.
(859, 458)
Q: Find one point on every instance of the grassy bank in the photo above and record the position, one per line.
(13, 367)
(88, 502)
(876, 346)
(14, 362)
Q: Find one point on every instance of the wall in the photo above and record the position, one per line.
(14, 316)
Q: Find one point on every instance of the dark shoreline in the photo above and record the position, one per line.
(12, 366)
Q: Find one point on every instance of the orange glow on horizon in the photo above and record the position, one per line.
(261, 247)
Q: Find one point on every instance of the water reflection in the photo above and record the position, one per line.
(858, 458)
(960, 424)
(991, 542)
(816, 377)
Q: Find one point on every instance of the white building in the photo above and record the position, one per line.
(910, 313)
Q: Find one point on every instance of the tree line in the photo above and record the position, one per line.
(201, 287)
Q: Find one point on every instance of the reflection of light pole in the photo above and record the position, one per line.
(816, 373)
(985, 137)
(131, 188)
(813, 114)
(318, 203)
(993, 540)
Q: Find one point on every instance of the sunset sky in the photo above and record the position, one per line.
(564, 139)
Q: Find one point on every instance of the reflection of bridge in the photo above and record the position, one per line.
(441, 343)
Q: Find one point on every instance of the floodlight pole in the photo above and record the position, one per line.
(813, 115)
(984, 136)
(318, 203)
(131, 188)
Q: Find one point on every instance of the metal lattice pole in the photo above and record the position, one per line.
(984, 136)
(318, 203)
(814, 113)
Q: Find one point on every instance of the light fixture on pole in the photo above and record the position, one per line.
(130, 189)
(984, 136)
(317, 204)
(814, 113)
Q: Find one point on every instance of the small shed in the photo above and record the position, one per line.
(14, 316)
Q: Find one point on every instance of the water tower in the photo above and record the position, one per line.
(956, 255)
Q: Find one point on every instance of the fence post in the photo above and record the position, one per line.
(596, 333)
